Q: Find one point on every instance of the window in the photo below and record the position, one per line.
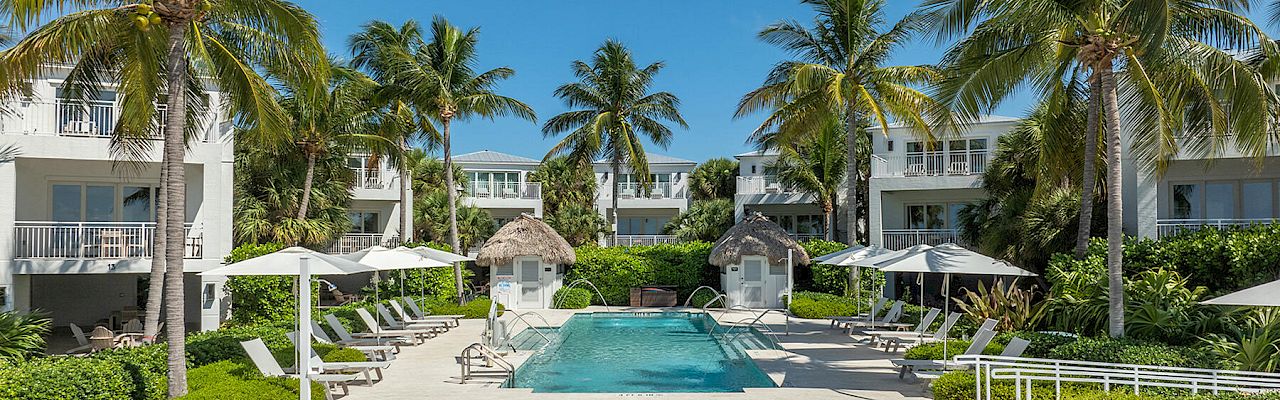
(1220, 200)
(641, 225)
(136, 204)
(1186, 201)
(778, 269)
(1257, 200)
(102, 202)
(926, 216)
(493, 183)
(363, 221)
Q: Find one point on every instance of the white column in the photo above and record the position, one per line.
(304, 329)
(8, 215)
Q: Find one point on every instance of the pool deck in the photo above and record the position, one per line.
(819, 363)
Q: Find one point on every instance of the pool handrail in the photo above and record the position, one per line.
(593, 287)
(756, 321)
(695, 291)
(520, 317)
(491, 358)
(713, 300)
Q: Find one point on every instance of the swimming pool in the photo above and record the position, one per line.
(642, 353)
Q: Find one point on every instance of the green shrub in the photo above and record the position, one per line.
(959, 385)
(259, 299)
(1129, 351)
(833, 279)
(474, 309)
(58, 378)
(224, 344)
(146, 366)
(683, 265)
(238, 380)
(571, 298)
(614, 270)
(1041, 343)
(22, 335)
(344, 355)
(954, 347)
(821, 305)
(437, 283)
(702, 297)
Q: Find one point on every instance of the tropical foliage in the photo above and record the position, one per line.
(578, 224)
(1014, 308)
(268, 189)
(569, 198)
(705, 220)
(714, 179)
(22, 335)
(817, 166)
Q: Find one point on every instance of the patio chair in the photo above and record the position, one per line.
(133, 326)
(268, 366)
(894, 341)
(890, 317)
(362, 367)
(343, 298)
(980, 342)
(81, 339)
(842, 320)
(449, 320)
(921, 327)
(437, 326)
(386, 352)
(102, 338)
(417, 335)
(358, 339)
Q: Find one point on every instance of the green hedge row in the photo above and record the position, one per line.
(571, 298)
(615, 270)
(959, 386)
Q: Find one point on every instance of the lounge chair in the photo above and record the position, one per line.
(375, 352)
(449, 320)
(980, 342)
(436, 326)
(920, 329)
(361, 339)
(420, 314)
(841, 320)
(375, 330)
(268, 366)
(81, 339)
(363, 367)
(890, 317)
(893, 341)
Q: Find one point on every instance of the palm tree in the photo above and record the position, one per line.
(714, 179)
(155, 51)
(1173, 78)
(438, 81)
(268, 188)
(565, 182)
(706, 220)
(840, 72)
(613, 109)
(816, 166)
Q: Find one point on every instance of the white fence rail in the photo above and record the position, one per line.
(766, 184)
(63, 117)
(1168, 227)
(640, 240)
(353, 242)
(1025, 371)
(658, 190)
(91, 240)
(505, 190)
(898, 239)
(930, 164)
(372, 178)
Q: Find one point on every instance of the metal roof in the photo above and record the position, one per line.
(656, 159)
(493, 157)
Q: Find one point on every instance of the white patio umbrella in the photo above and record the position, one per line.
(838, 256)
(948, 259)
(399, 258)
(441, 255)
(1263, 295)
(304, 263)
(847, 257)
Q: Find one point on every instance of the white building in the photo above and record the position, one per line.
(758, 190)
(499, 183)
(375, 205)
(643, 213)
(77, 227)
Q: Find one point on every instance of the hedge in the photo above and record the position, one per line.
(147, 368)
(259, 299)
(57, 378)
(240, 380)
(1129, 351)
(833, 279)
(821, 305)
(571, 298)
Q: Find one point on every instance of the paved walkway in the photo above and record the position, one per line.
(820, 363)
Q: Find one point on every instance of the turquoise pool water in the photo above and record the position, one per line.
(641, 353)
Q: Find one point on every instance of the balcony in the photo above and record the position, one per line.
(62, 117)
(898, 239)
(370, 178)
(505, 190)
(1170, 227)
(95, 240)
(932, 164)
(640, 240)
(353, 242)
(767, 184)
(658, 190)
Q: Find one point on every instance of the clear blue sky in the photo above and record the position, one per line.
(709, 46)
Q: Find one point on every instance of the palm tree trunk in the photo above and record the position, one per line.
(406, 202)
(175, 212)
(155, 286)
(851, 189)
(1115, 205)
(1089, 181)
(829, 221)
(613, 213)
(306, 185)
(453, 209)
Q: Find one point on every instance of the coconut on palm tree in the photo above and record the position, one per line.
(841, 70)
(1181, 92)
(169, 51)
(438, 80)
(613, 111)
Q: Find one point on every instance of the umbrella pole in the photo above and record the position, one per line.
(402, 283)
(946, 290)
(377, 298)
(304, 329)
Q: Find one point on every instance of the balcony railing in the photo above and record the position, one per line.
(1169, 227)
(803, 237)
(898, 239)
(370, 178)
(932, 164)
(505, 190)
(353, 242)
(63, 117)
(95, 240)
(766, 184)
(640, 240)
(658, 190)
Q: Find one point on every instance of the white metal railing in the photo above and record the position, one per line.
(658, 190)
(1133, 377)
(641, 240)
(370, 178)
(505, 190)
(353, 242)
(92, 240)
(1167, 227)
(63, 117)
(762, 184)
(930, 164)
(801, 237)
(898, 239)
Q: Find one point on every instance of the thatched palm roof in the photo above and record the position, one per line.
(756, 236)
(525, 236)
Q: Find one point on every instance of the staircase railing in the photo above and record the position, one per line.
(491, 359)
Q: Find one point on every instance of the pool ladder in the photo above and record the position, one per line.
(478, 355)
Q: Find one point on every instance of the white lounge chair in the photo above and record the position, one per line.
(437, 326)
(363, 367)
(362, 339)
(375, 330)
(893, 341)
(842, 320)
(920, 329)
(81, 339)
(268, 366)
(890, 317)
(980, 342)
(449, 320)
(375, 352)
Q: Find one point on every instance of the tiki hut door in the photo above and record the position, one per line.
(529, 274)
(753, 281)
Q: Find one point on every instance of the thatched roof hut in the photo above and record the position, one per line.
(525, 236)
(756, 236)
